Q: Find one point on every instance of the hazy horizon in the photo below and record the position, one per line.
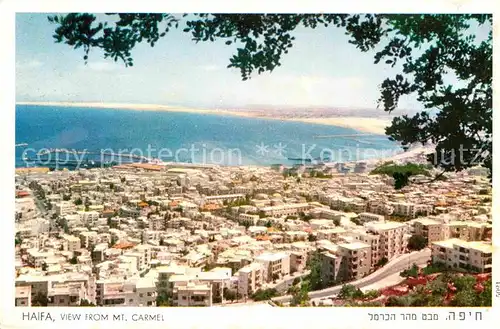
(321, 70)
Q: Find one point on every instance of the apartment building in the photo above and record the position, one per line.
(356, 260)
(191, 293)
(429, 228)
(393, 239)
(116, 292)
(331, 234)
(331, 263)
(136, 292)
(36, 257)
(276, 265)
(286, 209)
(460, 254)
(98, 253)
(25, 209)
(317, 224)
(218, 278)
(403, 209)
(224, 197)
(64, 208)
(66, 293)
(36, 285)
(479, 231)
(294, 236)
(88, 238)
(369, 217)
(163, 284)
(250, 279)
(61, 289)
(23, 296)
(145, 292)
(88, 217)
(242, 217)
(298, 256)
(71, 243)
(455, 230)
(130, 212)
(372, 239)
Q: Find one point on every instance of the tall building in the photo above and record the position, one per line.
(356, 260)
(460, 254)
(393, 239)
(276, 265)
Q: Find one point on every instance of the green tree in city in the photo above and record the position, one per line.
(230, 294)
(40, 299)
(424, 48)
(417, 242)
(349, 291)
(411, 272)
(371, 294)
(73, 260)
(164, 299)
(465, 298)
(464, 282)
(382, 261)
(485, 298)
(18, 239)
(300, 295)
(315, 278)
(86, 303)
(261, 295)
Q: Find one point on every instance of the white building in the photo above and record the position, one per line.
(250, 279)
(276, 265)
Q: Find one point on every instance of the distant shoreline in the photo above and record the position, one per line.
(361, 124)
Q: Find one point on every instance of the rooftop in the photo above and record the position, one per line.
(354, 245)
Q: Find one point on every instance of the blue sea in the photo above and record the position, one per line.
(188, 137)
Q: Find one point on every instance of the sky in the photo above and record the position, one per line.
(321, 70)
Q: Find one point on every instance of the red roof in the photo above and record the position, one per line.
(22, 193)
(123, 245)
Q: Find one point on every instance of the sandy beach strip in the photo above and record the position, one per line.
(361, 124)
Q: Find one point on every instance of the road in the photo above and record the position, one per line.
(394, 266)
(286, 282)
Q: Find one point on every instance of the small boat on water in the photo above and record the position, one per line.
(301, 159)
(326, 159)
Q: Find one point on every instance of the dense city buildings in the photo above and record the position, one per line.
(192, 235)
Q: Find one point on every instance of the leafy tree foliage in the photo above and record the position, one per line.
(230, 294)
(382, 261)
(85, 302)
(411, 272)
(433, 293)
(266, 294)
(417, 242)
(349, 291)
(40, 299)
(300, 295)
(426, 49)
(314, 278)
(164, 299)
(401, 173)
(73, 260)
